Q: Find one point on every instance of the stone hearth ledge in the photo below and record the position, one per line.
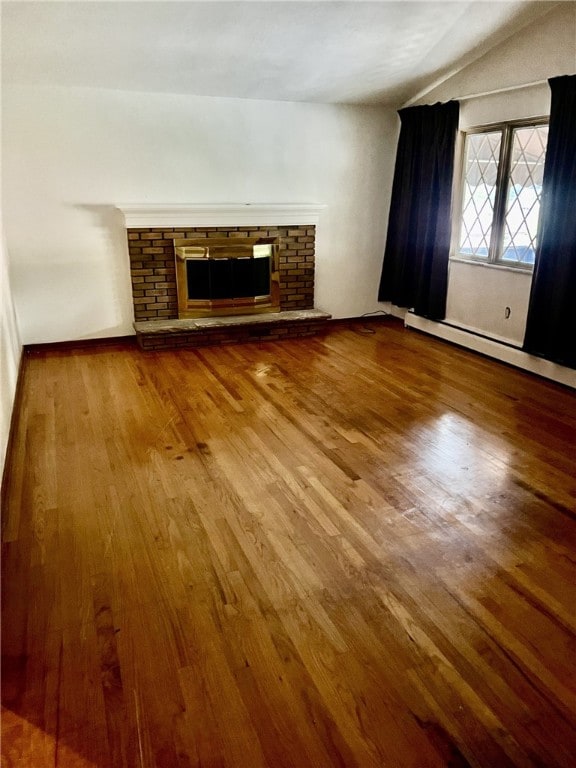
(189, 325)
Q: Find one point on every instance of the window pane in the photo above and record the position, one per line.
(481, 169)
(524, 192)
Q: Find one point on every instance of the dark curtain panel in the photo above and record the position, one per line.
(551, 325)
(415, 269)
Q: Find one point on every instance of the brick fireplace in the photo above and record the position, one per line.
(153, 266)
(151, 234)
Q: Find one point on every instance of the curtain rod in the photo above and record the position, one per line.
(479, 95)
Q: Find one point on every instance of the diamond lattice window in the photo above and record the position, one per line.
(524, 192)
(502, 187)
(482, 153)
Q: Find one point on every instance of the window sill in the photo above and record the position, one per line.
(490, 265)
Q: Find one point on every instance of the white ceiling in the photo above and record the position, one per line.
(334, 52)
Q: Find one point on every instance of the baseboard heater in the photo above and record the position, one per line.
(499, 350)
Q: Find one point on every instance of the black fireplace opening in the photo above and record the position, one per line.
(235, 278)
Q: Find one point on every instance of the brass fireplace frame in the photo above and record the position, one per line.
(226, 248)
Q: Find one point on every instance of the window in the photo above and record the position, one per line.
(503, 168)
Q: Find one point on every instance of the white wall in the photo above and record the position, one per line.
(10, 352)
(71, 154)
(542, 49)
(479, 294)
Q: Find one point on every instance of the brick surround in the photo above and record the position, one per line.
(153, 272)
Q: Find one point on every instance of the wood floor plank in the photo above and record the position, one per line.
(354, 550)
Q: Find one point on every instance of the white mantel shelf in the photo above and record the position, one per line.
(228, 215)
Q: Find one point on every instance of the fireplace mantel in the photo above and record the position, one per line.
(215, 215)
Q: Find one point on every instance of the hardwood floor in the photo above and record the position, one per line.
(356, 551)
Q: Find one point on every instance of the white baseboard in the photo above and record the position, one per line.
(493, 348)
